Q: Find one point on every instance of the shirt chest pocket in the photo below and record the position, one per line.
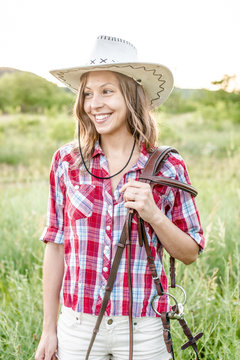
(80, 199)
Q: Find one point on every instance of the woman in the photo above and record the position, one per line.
(92, 186)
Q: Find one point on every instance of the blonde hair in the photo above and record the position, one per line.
(139, 121)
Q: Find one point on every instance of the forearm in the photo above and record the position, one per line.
(53, 268)
(180, 245)
(177, 243)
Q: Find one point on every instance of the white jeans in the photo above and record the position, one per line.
(112, 341)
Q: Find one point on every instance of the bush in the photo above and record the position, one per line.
(216, 106)
(31, 93)
(178, 103)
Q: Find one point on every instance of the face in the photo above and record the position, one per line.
(105, 104)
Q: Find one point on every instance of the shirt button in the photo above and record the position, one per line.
(110, 321)
(108, 227)
(76, 187)
(105, 269)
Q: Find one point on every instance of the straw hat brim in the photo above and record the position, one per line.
(156, 79)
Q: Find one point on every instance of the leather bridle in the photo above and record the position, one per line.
(149, 174)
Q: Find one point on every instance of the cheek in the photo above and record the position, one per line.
(86, 107)
(124, 107)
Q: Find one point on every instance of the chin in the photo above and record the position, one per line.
(102, 131)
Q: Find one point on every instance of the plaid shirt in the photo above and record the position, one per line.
(85, 216)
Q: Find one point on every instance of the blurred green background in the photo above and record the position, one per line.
(35, 119)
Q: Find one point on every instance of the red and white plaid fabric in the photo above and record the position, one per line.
(85, 216)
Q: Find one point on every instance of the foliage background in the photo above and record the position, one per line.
(204, 126)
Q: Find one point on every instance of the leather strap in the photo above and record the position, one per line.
(161, 180)
(191, 340)
(172, 272)
(130, 301)
(167, 334)
(110, 283)
(157, 159)
(150, 259)
(152, 167)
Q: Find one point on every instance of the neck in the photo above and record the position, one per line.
(117, 145)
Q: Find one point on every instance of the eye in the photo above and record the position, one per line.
(107, 91)
(87, 94)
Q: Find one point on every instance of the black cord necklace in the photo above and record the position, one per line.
(108, 177)
(100, 177)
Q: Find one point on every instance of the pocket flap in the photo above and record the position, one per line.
(80, 201)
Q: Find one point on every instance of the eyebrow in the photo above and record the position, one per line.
(86, 87)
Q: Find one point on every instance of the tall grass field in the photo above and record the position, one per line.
(211, 150)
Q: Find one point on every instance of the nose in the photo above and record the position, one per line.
(96, 101)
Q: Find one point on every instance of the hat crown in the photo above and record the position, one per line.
(109, 50)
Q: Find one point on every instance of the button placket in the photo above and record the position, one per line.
(107, 246)
(106, 254)
(106, 250)
(110, 208)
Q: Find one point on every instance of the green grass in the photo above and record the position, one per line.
(27, 143)
(212, 153)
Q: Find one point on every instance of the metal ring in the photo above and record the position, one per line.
(184, 293)
(164, 293)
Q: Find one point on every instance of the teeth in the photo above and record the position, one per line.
(101, 117)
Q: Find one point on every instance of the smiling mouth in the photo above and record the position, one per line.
(102, 118)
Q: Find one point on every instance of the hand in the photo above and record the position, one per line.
(47, 347)
(138, 196)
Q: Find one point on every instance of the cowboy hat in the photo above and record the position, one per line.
(115, 54)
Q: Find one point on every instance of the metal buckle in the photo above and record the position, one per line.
(184, 293)
(178, 312)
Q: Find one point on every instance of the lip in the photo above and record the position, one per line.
(101, 118)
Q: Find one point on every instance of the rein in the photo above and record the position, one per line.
(152, 167)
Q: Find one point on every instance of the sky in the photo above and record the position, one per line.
(197, 39)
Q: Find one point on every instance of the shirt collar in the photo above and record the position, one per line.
(143, 157)
(97, 150)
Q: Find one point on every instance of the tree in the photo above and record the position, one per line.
(31, 93)
(227, 83)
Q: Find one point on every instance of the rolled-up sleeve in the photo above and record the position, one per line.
(184, 212)
(54, 230)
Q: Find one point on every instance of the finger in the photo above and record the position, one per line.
(129, 198)
(49, 356)
(39, 356)
(131, 195)
(124, 187)
(130, 205)
(138, 206)
(134, 184)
